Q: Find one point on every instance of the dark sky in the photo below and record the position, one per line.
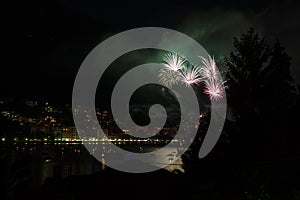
(49, 39)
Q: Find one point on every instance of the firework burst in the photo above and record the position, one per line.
(174, 61)
(214, 89)
(208, 70)
(214, 86)
(191, 76)
(177, 70)
(169, 77)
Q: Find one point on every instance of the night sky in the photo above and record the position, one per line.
(49, 39)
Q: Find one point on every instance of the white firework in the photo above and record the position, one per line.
(214, 86)
(173, 61)
(214, 89)
(177, 70)
(209, 68)
(191, 76)
(169, 77)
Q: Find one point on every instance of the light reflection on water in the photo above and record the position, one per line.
(34, 163)
(42, 161)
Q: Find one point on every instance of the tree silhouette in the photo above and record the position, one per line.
(260, 93)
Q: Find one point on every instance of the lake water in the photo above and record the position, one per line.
(28, 166)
